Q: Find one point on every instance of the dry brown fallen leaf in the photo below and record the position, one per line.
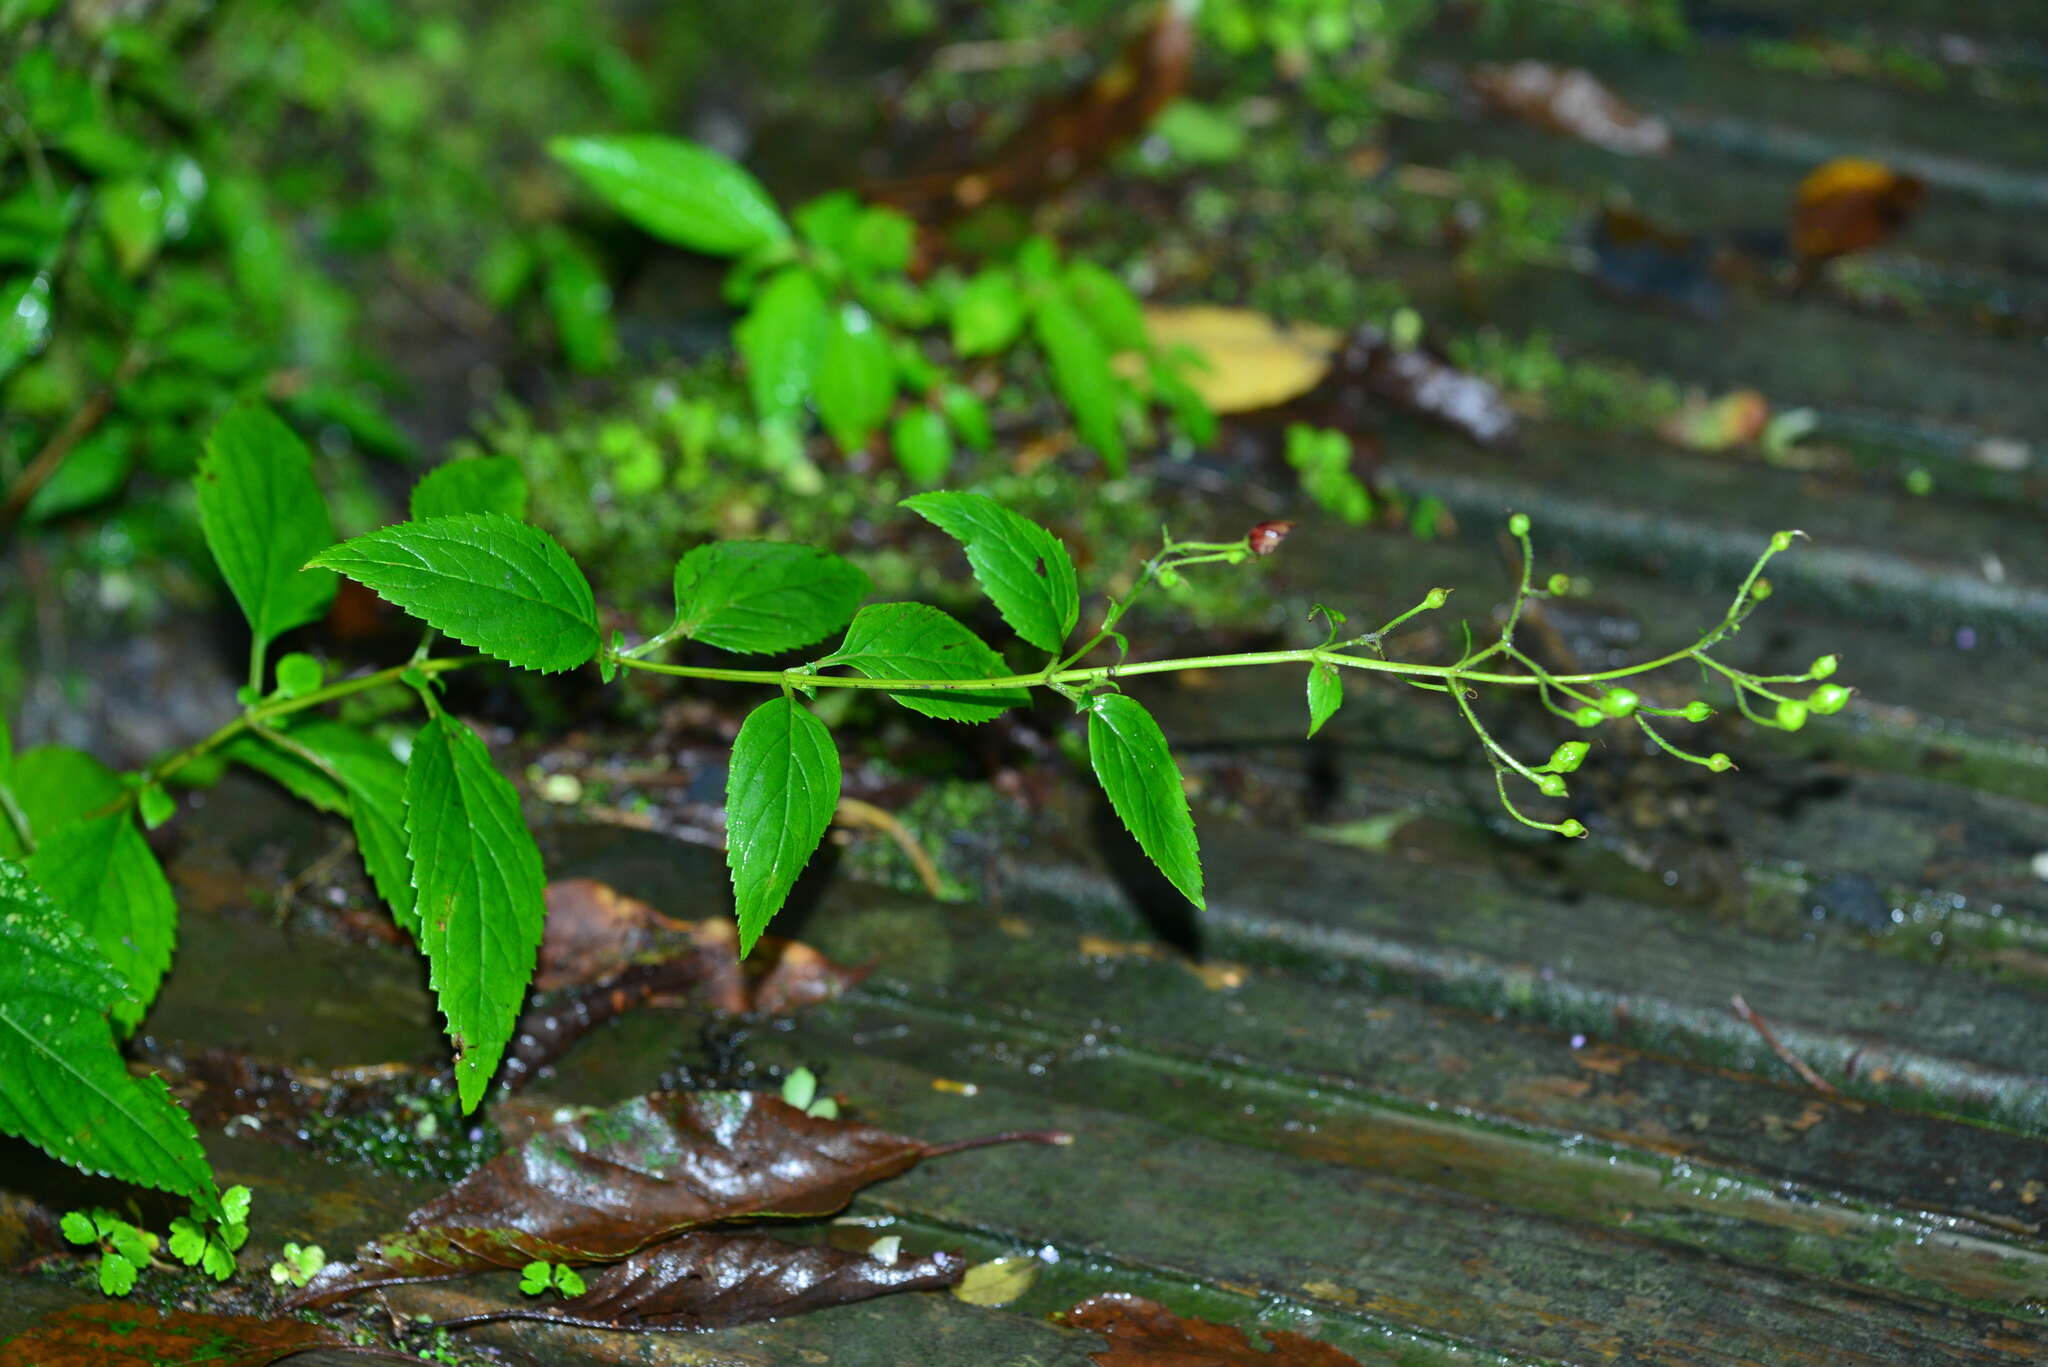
(1703, 424)
(108, 1335)
(1573, 102)
(1849, 205)
(605, 1186)
(1144, 1333)
(1248, 361)
(714, 1281)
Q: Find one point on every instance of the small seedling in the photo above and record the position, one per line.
(800, 1089)
(210, 1243)
(299, 1263)
(537, 1278)
(124, 1249)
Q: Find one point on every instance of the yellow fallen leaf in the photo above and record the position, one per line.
(1251, 361)
(997, 1282)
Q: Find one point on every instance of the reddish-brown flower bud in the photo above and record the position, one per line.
(1267, 536)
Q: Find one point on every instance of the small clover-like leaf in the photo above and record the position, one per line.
(761, 597)
(188, 1241)
(781, 790)
(1023, 568)
(78, 1228)
(569, 1281)
(1137, 772)
(502, 586)
(117, 1274)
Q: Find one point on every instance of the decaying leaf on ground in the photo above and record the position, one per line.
(1422, 382)
(1144, 1333)
(1252, 364)
(1850, 205)
(1572, 102)
(713, 1281)
(619, 954)
(613, 1183)
(1246, 360)
(109, 1335)
(1733, 419)
(1066, 138)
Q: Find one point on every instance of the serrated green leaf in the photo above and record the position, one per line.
(1024, 569)
(502, 586)
(1081, 373)
(102, 873)
(916, 641)
(1137, 772)
(53, 786)
(129, 1243)
(987, 313)
(782, 339)
(295, 775)
(78, 1228)
(1325, 694)
(63, 1085)
(780, 792)
(188, 1241)
(264, 519)
(1108, 305)
(677, 190)
(484, 484)
(761, 597)
(856, 383)
(478, 876)
(924, 451)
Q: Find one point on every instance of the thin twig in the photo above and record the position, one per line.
(1790, 1059)
(77, 428)
(853, 812)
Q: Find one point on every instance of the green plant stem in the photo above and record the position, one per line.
(1098, 674)
(259, 717)
(17, 818)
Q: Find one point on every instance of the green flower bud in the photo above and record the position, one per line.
(1567, 758)
(1619, 703)
(1719, 762)
(1791, 714)
(1560, 584)
(1573, 828)
(1436, 598)
(1169, 577)
(1781, 541)
(1824, 667)
(1550, 785)
(1697, 710)
(1518, 525)
(1589, 716)
(1828, 699)
(1760, 590)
